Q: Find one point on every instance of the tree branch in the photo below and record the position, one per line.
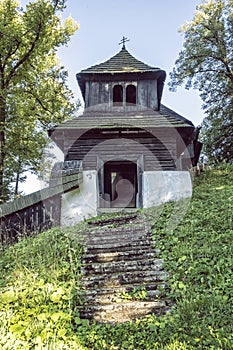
(11, 53)
(25, 56)
(38, 100)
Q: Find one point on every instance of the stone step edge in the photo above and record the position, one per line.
(122, 254)
(121, 267)
(113, 247)
(117, 306)
(126, 288)
(140, 224)
(151, 260)
(124, 237)
(133, 279)
(105, 299)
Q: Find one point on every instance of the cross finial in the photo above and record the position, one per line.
(123, 41)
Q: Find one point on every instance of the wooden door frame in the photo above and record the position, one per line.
(101, 161)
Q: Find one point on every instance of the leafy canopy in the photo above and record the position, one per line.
(206, 63)
(34, 94)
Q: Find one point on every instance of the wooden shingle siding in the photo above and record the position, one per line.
(158, 154)
(99, 96)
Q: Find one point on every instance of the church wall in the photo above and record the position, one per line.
(147, 94)
(80, 203)
(157, 187)
(94, 94)
(158, 154)
(161, 187)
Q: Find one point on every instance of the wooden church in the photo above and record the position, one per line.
(133, 151)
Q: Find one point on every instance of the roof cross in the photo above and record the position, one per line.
(123, 41)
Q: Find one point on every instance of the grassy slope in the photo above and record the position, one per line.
(39, 279)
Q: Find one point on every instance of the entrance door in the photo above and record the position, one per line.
(120, 184)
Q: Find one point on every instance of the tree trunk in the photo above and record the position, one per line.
(2, 143)
(17, 183)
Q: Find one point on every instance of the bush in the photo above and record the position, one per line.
(39, 291)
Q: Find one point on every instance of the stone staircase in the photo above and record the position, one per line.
(123, 276)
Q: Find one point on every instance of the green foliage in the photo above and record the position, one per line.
(138, 293)
(39, 295)
(34, 94)
(206, 63)
(40, 279)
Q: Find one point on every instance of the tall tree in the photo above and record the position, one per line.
(33, 91)
(206, 63)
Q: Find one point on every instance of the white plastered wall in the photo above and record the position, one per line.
(164, 186)
(158, 187)
(80, 203)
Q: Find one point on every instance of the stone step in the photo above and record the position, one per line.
(117, 279)
(120, 227)
(123, 233)
(119, 256)
(123, 311)
(118, 231)
(115, 242)
(120, 266)
(108, 295)
(123, 213)
(150, 287)
(114, 246)
(146, 253)
(118, 221)
(112, 224)
(126, 287)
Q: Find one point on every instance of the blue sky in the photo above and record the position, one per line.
(152, 27)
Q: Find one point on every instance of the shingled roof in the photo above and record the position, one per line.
(150, 120)
(122, 62)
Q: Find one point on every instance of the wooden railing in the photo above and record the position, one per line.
(40, 210)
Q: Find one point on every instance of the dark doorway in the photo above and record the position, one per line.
(120, 184)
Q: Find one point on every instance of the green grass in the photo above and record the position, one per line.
(40, 281)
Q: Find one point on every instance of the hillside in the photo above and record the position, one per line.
(40, 282)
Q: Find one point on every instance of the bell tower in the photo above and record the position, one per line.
(122, 83)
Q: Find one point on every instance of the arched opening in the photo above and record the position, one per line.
(131, 94)
(118, 95)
